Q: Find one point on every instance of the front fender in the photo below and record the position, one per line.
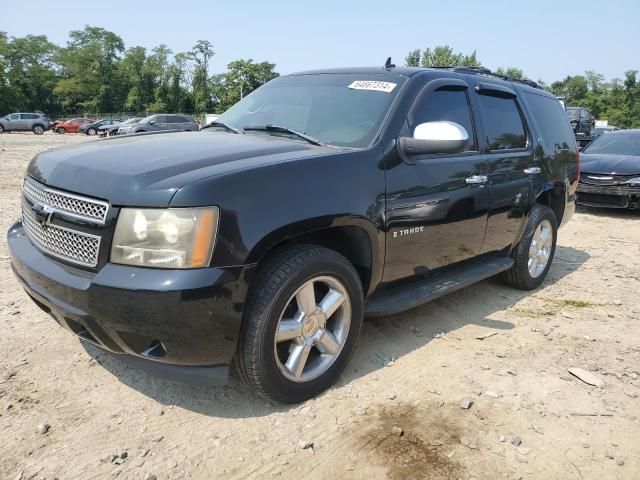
(262, 206)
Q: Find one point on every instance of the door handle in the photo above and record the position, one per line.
(532, 170)
(476, 179)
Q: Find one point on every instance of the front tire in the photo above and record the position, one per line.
(38, 129)
(61, 130)
(91, 131)
(301, 324)
(534, 253)
(1, 129)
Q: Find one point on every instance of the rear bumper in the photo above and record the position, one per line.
(608, 196)
(165, 321)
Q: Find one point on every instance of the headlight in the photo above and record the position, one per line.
(165, 238)
(634, 181)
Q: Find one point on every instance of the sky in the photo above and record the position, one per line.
(547, 39)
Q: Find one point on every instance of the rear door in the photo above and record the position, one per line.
(436, 205)
(506, 141)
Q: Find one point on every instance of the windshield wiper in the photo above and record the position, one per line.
(223, 125)
(278, 128)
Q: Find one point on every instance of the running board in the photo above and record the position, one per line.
(409, 295)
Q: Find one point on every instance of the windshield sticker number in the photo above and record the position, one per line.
(386, 87)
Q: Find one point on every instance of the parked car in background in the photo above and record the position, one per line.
(581, 120)
(70, 126)
(610, 171)
(92, 128)
(154, 123)
(597, 131)
(37, 123)
(112, 130)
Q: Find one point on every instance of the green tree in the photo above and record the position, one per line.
(242, 77)
(201, 54)
(89, 66)
(27, 73)
(441, 56)
(511, 72)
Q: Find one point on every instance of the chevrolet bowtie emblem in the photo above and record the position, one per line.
(43, 213)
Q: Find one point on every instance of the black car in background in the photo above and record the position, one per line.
(92, 128)
(610, 171)
(581, 120)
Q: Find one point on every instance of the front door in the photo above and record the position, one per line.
(436, 209)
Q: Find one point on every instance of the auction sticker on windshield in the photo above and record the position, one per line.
(375, 86)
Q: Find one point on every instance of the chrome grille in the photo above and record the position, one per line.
(75, 206)
(76, 247)
(604, 179)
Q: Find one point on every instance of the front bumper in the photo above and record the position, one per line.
(608, 196)
(174, 323)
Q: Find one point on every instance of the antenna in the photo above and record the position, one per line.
(388, 64)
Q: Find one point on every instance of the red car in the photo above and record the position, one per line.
(70, 126)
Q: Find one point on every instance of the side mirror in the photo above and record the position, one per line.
(152, 122)
(435, 137)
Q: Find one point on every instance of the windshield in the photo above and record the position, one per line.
(616, 144)
(148, 119)
(573, 112)
(130, 121)
(337, 109)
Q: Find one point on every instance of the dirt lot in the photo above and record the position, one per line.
(410, 371)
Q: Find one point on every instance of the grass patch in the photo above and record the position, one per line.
(571, 302)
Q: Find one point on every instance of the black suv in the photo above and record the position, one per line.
(321, 198)
(581, 120)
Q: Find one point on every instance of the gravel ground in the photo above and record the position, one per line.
(473, 385)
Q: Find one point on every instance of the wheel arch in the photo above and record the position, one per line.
(555, 198)
(356, 241)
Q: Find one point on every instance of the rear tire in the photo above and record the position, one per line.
(1, 129)
(38, 129)
(534, 253)
(305, 303)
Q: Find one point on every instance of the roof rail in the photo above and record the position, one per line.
(486, 71)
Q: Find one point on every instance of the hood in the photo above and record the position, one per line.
(612, 164)
(146, 170)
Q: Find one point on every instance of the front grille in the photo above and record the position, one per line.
(70, 245)
(87, 209)
(604, 179)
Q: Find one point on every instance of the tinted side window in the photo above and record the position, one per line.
(173, 119)
(551, 120)
(28, 116)
(446, 105)
(502, 123)
(182, 119)
(14, 116)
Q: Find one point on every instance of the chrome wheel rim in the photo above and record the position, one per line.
(38, 130)
(540, 249)
(312, 329)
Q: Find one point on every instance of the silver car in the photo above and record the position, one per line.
(37, 123)
(154, 123)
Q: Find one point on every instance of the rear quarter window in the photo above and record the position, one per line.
(552, 122)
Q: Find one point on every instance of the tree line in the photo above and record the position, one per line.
(616, 100)
(95, 73)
